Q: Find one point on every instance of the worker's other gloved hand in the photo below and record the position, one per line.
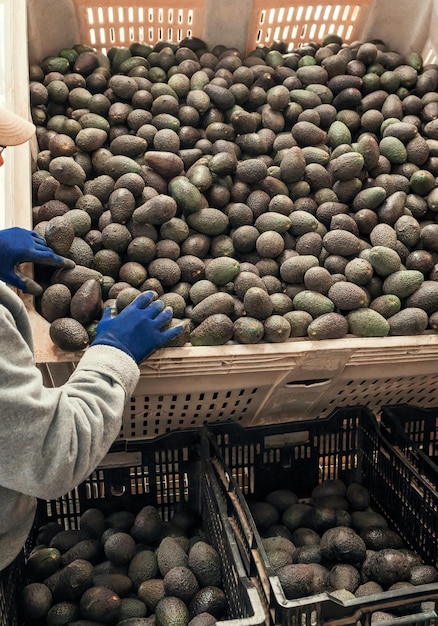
(18, 245)
(138, 329)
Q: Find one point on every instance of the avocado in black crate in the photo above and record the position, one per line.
(330, 518)
(144, 541)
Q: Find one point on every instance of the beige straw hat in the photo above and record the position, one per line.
(14, 129)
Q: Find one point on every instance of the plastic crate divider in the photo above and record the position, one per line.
(347, 444)
(418, 424)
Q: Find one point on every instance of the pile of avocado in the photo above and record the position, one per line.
(263, 196)
(336, 542)
(124, 569)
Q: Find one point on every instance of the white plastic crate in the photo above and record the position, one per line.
(402, 24)
(268, 383)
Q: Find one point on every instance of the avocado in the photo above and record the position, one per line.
(68, 334)
(101, 605)
(186, 195)
(341, 242)
(73, 580)
(147, 525)
(204, 561)
(342, 544)
(318, 279)
(366, 322)
(142, 567)
(192, 268)
(62, 613)
(131, 609)
(276, 543)
(221, 270)
(120, 548)
(66, 171)
(292, 165)
(304, 536)
(347, 296)
(302, 579)
(403, 283)
(313, 302)
(209, 599)
(380, 538)
(248, 330)
(367, 518)
(43, 563)
(294, 515)
(170, 554)
(208, 221)
(251, 170)
(87, 549)
(344, 576)
(165, 270)
(151, 591)
(55, 302)
(121, 584)
(409, 321)
(388, 566)
(369, 198)
(281, 499)
(257, 303)
(181, 582)
(330, 325)
(219, 302)
(276, 329)
(214, 330)
(35, 600)
(302, 222)
(308, 134)
(346, 166)
(293, 269)
(422, 574)
(157, 210)
(171, 611)
(337, 134)
(385, 261)
(425, 297)
(86, 302)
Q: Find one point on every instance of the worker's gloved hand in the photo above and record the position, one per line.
(18, 245)
(138, 329)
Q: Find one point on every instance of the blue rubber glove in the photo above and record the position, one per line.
(138, 329)
(18, 245)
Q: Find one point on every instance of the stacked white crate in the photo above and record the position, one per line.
(189, 386)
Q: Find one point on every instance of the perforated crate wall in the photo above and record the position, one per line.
(274, 383)
(303, 21)
(120, 23)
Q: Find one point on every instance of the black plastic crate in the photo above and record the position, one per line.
(253, 461)
(11, 582)
(168, 473)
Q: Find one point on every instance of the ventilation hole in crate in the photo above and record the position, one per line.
(430, 55)
(148, 416)
(307, 22)
(417, 390)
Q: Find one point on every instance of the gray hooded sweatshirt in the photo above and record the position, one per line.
(51, 439)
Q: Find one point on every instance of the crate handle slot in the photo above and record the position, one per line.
(311, 382)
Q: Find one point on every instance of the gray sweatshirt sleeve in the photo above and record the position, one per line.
(51, 439)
